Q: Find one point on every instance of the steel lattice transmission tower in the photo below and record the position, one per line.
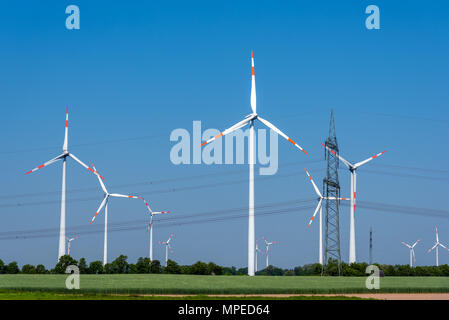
(331, 188)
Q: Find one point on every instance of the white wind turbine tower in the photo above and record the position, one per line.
(249, 119)
(63, 156)
(267, 246)
(352, 169)
(320, 207)
(257, 253)
(412, 251)
(437, 244)
(150, 226)
(167, 247)
(104, 203)
(69, 241)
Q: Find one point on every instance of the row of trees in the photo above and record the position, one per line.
(145, 265)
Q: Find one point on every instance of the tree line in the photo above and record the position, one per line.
(144, 265)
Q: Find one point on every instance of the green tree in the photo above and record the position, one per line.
(289, 273)
(242, 271)
(2, 266)
(64, 262)
(28, 268)
(172, 267)
(214, 269)
(155, 266)
(143, 265)
(186, 269)
(96, 267)
(82, 265)
(40, 268)
(12, 268)
(120, 265)
(199, 268)
(132, 268)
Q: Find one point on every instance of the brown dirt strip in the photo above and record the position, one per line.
(379, 296)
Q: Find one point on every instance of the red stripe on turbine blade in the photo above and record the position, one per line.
(67, 123)
(41, 166)
(304, 151)
(29, 172)
(252, 71)
(203, 143)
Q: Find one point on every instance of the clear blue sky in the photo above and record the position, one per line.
(133, 73)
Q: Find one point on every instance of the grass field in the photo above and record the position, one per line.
(189, 284)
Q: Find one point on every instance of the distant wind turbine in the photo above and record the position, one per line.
(320, 207)
(104, 204)
(353, 170)
(267, 248)
(437, 244)
(69, 241)
(412, 251)
(167, 247)
(150, 226)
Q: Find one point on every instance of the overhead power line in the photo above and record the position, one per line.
(293, 206)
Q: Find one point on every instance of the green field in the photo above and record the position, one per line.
(190, 284)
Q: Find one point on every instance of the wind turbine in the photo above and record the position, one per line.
(267, 245)
(69, 244)
(63, 156)
(352, 169)
(320, 207)
(437, 244)
(257, 253)
(150, 226)
(412, 251)
(249, 119)
(104, 203)
(167, 246)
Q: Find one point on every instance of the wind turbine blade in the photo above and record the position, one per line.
(314, 214)
(238, 125)
(66, 133)
(314, 185)
(99, 208)
(71, 155)
(171, 236)
(118, 195)
(49, 162)
(442, 245)
(358, 164)
(272, 127)
(169, 248)
(99, 179)
(431, 249)
(253, 85)
(148, 206)
(151, 222)
(436, 232)
(347, 163)
(405, 244)
(416, 243)
(161, 212)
